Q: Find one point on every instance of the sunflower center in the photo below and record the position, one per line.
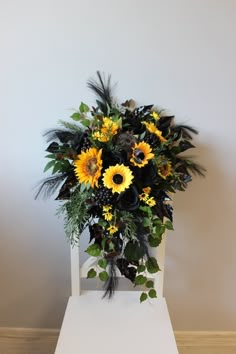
(91, 166)
(139, 154)
(117, 178)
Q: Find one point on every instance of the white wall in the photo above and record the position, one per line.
(179, 54)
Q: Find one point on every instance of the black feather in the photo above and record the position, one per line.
(48, 186)
(111, 283)
(103, 90)
(184, 131)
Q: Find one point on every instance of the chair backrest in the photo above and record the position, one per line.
(78, 272)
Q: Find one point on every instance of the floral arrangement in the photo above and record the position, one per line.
(115, 168)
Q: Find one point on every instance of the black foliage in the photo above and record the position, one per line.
(126, 269)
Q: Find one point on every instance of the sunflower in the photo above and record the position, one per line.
(153, 129)
(151, 202)
(88, 166)
(117, 178)
(164, 170)
(141, 154)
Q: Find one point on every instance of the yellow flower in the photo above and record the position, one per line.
(107, 216)
(108, 130)
(117, 178)
(155, 115)
(147, 190)
(164, 170)
(143, 196)
(112, 229)
(153, 129)
(151, 202)
(106, 208)
(88, 166)
(141, 154)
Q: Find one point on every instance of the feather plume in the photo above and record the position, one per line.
(48, 186)
(111, 283)
(103, 90)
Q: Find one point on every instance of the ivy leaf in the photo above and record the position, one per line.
(149, 284)
(141, 268)
(133, 251)
(152, 293)
(154, 242)
(140, 280)
(93, 250)
(103, 276)
(49, 165)
(86, 122)
(83, 108)
(152, 266)
(169, 225)
(102, 263)
(91, 273)
(76, 116)
(143, 297)
(146, 222)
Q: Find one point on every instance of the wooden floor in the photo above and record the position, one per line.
(43, 341)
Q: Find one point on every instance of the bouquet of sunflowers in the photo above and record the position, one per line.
(115, 167)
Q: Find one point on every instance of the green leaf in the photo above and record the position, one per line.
(154, 242)
(51, 156)
(76, 116)
(49, 165)
(140, 280)
(86, 122)
(158, 230)
(57, 167)
(102, 263)
(149, 284)
(83, 187)
(152, 266)
(152, 293)
(146, 222)
(93, 250)
(168, 225)
(133, 251)
(103, 276)
(143, 297)
(141, 268)
(83, 108)
(91, 273)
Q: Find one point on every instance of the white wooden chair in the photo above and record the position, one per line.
(93, 325)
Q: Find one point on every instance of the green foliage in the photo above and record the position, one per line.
(141, 268)
(91, 273)
(143, 297)
(140, 280)
(102, 263)
(168, 225)
(149, 284)
(152, 266)
(152, 293)
(133, 251)
(76, 215)
(94, 250)
(103, 276)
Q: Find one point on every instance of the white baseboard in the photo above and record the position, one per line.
(43, 341)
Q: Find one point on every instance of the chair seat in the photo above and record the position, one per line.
(93, 325)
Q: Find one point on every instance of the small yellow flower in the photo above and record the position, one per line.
(147, 190)
(164, 170)
(117, 178)
(108, 130)
(142, 153)
(155, 115)
(143, 196)
(151, 202)
(153, 129)
(112, 229)
(106, 208)
(108, 216)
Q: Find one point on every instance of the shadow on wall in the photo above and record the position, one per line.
(199, 283)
